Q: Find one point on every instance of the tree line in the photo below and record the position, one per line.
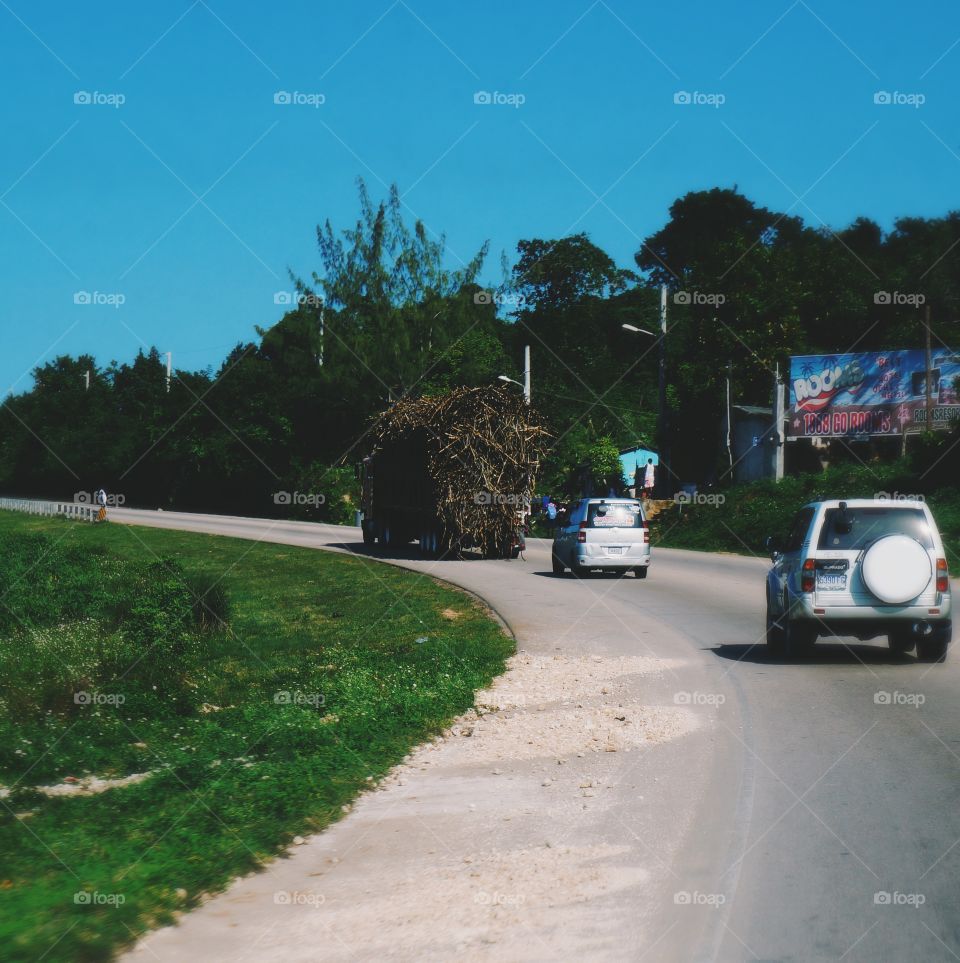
(385, 316)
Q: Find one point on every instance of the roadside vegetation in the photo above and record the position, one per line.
(285, 415)
(258, 687)
(739, 519)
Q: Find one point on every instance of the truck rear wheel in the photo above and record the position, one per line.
(428, 542)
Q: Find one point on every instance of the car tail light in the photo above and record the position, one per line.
(807, 577)
(943, 578)
(646, 532)
(582, 534)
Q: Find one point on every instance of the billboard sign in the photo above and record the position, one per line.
(871, 393)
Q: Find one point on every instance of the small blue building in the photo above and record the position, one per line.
(630, 458)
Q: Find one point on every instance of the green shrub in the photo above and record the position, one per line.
(749, 513)
(43, 669)
(84, 622)
(211, 603)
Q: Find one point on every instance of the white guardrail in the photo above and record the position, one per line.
(31, 506)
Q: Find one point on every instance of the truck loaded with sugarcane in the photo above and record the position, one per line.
(452, 472)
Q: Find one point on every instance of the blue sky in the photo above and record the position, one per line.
(192, 198)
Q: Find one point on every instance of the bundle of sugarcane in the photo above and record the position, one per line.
(482, 451)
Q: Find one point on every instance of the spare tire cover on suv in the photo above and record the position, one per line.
(896, 569)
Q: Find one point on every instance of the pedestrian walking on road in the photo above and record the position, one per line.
(649, 478)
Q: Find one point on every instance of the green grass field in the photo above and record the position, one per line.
(329, 670)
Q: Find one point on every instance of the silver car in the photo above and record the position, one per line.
(611, 534)
(862, 567)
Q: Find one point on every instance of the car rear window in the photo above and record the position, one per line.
(614, 515)
(865, 525)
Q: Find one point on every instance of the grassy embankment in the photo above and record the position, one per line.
(749, 513)
(261, 686)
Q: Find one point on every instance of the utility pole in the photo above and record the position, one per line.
(169, 369)
(526, 373)
(321, 335)
(778, 410)
(86, 380)
(929, 387)
(729, 422)
(663, 418)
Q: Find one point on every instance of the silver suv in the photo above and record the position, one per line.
(603, 533)
(863, 568)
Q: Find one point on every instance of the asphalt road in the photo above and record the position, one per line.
(814, 813)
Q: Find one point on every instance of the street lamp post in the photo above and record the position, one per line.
(663, 427)
(663, 412)
(526, 375)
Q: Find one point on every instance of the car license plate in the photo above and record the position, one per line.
(831, 581)
(614, 550)
(832, 574)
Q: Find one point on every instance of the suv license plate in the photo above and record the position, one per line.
(831, 581)
(614, 550)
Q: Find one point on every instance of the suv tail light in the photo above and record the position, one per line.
(808, 575)
(943, 577)
(646, 532)
(582, 534)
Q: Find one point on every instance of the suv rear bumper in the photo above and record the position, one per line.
(869, 621)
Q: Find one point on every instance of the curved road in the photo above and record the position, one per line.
(812, 815)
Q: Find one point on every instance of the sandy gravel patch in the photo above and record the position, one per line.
(489, 906)
(561, 706)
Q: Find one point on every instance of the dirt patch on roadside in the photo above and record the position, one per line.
(493, 905)
(561, 706)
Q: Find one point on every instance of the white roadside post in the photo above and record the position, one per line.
(526, 375)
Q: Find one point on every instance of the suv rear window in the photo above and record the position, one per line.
(865, 525)
(614, 515)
